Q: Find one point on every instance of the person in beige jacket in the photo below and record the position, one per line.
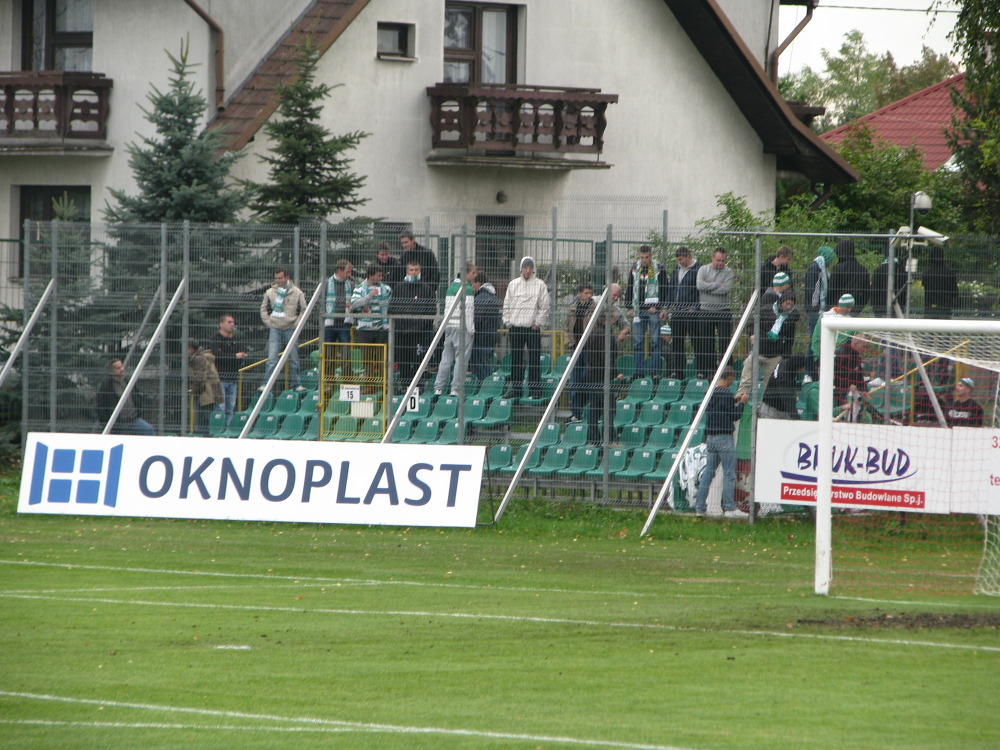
(525, 314)
(280, 309)
(204, 385)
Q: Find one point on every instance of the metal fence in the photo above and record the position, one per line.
(114, 282)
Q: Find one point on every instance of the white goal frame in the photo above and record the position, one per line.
(829, 328)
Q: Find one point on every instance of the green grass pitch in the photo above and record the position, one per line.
(559, 628)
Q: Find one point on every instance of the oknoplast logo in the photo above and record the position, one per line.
(67, 475)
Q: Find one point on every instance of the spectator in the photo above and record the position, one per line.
(781, 391)
(817, 292)
(337, 321)
(203, 385)
(109, 394)
(392, 267)
(880, 287)
(849, 276)
(961, 410)
(842, 309)
(525, 314)
(459, 330)
(940, 286)
(370, 303)
(777, 263)
(487, 322)
(780, 283)
(413, 252)
(588, 374)
(723, 412)
(230, 355)
(646, 295)
(715, 282)
(280, 309)
(682, 296)
(848, 374)
(777, 328)
(412, 307)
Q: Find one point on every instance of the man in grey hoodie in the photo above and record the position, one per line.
(715, 283)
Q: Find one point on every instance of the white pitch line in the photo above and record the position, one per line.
(513, 618)
(343, 725)
(321, 579)
(159, 725)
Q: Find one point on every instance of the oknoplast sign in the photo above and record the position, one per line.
(251, 480)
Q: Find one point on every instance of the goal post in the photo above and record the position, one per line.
(920, 466)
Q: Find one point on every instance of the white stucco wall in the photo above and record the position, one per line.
(674, 133)
(757, 24)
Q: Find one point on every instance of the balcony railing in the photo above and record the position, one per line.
(54, 105)
(518, 118)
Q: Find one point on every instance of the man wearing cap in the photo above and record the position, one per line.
(525, 314)
(961, 410)
(817, 290)
(780, 282)
(777, 328)
(843, 309)
(777, 263)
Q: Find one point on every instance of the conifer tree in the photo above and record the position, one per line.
(178, 173)
(309, 175)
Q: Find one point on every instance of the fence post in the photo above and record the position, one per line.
(322, 278)
(161, 414)
(553, 298)
(54, 326)
(185, 329)
(755, 371)
(296, 253)
(665, 225)
(608, 426)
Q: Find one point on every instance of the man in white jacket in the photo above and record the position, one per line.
(525, 314)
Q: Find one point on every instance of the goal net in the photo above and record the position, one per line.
(907, 457)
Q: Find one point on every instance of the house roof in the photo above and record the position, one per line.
(257, 98)
(797, 148)
(919, 119)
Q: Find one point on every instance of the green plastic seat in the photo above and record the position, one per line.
(651, 414)
(344, 429)
(404, 428)
(624, 414)
(291, 427)
(503, 367)
(310, 430)
(661, 438)
(617, 461)
(575, 435)
(549, 436)
(533, 460)
(217, 424)
(633, 436)
(309, 403)
(475, 408)
(287, 402)
(694, 391)
(556, 457)
(449, 433)
(492, 387)
(498, 456)
(236, 425)
(370, 431)
(425, 432)
(265, 426)
(548, 388)
(445, 407)
(584, 459)
(498, 413)
(643, 462)
(668, 391)
(680, 414)
(338, 408)
(625, 365)
(640, 391)
(310, 379)
(559, 366)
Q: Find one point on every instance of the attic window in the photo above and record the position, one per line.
(395, 41)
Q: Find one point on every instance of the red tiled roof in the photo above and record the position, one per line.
(919, 119)
(323, 21)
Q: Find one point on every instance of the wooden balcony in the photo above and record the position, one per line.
(519, 121)
(42, 109)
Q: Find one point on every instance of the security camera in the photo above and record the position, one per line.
(929, 236)
(922, 203)
(900, 239)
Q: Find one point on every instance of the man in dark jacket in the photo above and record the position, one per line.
(682, 301)
(646, 297)
(777, 331)
(487, 323)
(849, 276)
(723, 412)
(411, 306)
(940, 286)
(129, 422)
(780, 262)
(778, 401)
(880, 284)
(413, 252)
(815, 302)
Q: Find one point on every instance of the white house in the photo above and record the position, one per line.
(487, 113)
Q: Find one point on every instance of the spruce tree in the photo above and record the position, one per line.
(178, 172)
(309, 175)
